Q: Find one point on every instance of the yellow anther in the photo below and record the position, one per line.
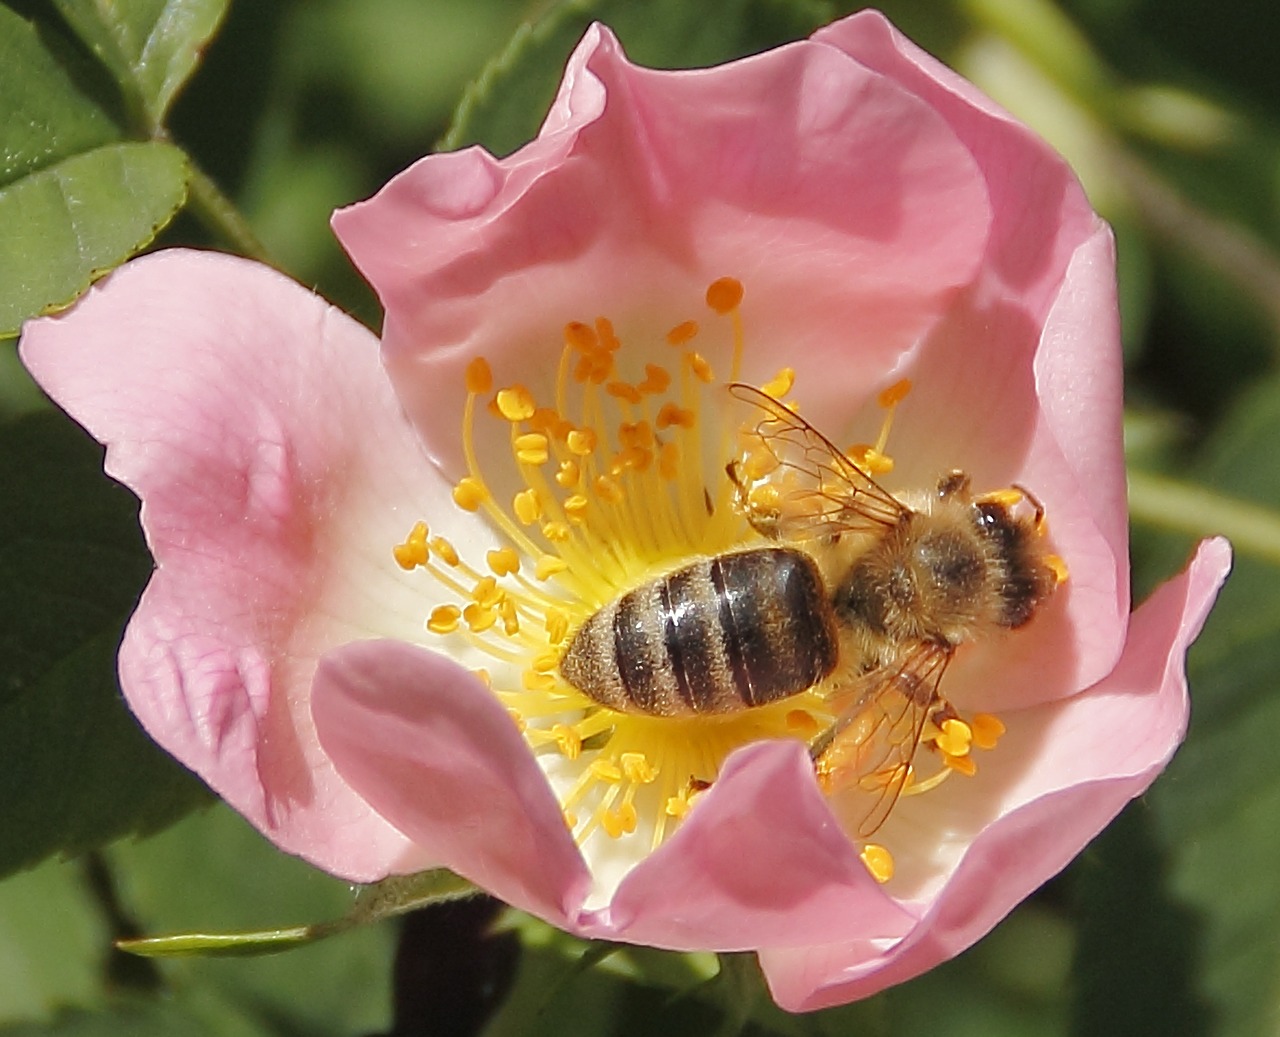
(570, 819)
(504, 561)
(758, 464)
(531, 448)
(445, 551)
(634, 457)
(878, 861)
(624, 391)
(682, 333)
(954, 738)
(548, 565)
(669, 462)
(510, 618)
(656, 379)
(545, 663)
(444, 619)
(677, 806)
(986, 729)
(608, 489)
(604, 329)
(469, 494)
(700, 368)
(548, 421)
(516, 403)
(1057, 566)
(604, 769)
(581, 336)
(611, 822)
(802, 723)
(486, 591)
(581, 441)
(478, 377)
(670, 415)
(576, 506)
(895, 393)
(637, 768)
(527, 506)
(484, 677)
(869, 459)
(557, 626)
(531, 680)
(724, 295)
(627, 815)
(568, 474)
(780, 384)
(518, 720)
(479, 618)
(413, 552)
(568, 741)
(636, 434)
(963, 764)
(556, 532)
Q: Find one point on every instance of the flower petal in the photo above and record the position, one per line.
(759, 862)
(276, 474)
(847, 208)
(1098, 750)
(430, 747)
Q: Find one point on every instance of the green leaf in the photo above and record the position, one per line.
(75, 768)
(149, 46)
(504, 108)
(186, 1014)
(1202, 851)
(214, 872)
(65, 225)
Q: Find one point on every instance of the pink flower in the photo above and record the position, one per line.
(310, 509)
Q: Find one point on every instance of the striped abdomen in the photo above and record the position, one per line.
(717, 636)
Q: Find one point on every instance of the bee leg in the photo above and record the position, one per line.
(954, 483)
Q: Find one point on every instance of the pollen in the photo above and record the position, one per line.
(516, 403)
(531, 448)
(444, 619)
(954, 738)
(503, 561)
(987, 730)
(683, 333)
(1058, 567)
(878, 861)
(479, 378)
(725, 295)
(469, 494)
(780, 384)
(413, 552)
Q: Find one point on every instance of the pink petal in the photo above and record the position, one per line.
(276, 474)
(431, 748)
(844, 204)
(759, 862)
(1097, 751)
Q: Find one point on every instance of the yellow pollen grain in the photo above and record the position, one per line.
(504, 561)
(954, 738)
(445, 551)
(637, 768)
(548, 565)
(581, 336)
(486, 591)
(531, 448)
(557, 625)
(483, 675)
(724, 295)
(624, 391)
(510, 619)
(656, 379)
(516, 403)
(1006, 498)
(895, 393)
(469, 494)
(567, 741)
(760, 463)
(527, 506)
(673, 415)
(608, 489)
(568, 474)
(765, 497)
(700, 368)
(677, 806)
(444, 619)
(1057, 566)
(413, 552)
(682, 333)
(986, 729)
(479, 378)
(576, 506)
(780, 384)
(581, 441)
(878, 861)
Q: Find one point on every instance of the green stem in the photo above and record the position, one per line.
(220, 216)
(1155, 500)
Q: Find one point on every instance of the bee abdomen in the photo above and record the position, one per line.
(717, 636)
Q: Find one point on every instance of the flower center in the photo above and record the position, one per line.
(621, 484)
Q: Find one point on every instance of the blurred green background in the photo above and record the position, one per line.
(1168, 924)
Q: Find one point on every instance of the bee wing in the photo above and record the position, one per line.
(880, 720)
(812, 489)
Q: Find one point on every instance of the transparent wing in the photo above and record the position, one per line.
(795, 484)
(880, 720)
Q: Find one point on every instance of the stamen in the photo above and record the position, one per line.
(469, 494)
(1058, 567)
(954, 738)
(504, 561)
(413, 552)
(879, 861)
(682, 333)
(479, 378)
(724, 295)
(444, 619)
(987, 730)
(516, 403)
(780, 384)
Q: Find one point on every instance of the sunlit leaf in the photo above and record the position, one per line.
(75, 768)
(505, 106)
(149, 46)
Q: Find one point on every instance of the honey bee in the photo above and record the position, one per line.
(855, 593)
